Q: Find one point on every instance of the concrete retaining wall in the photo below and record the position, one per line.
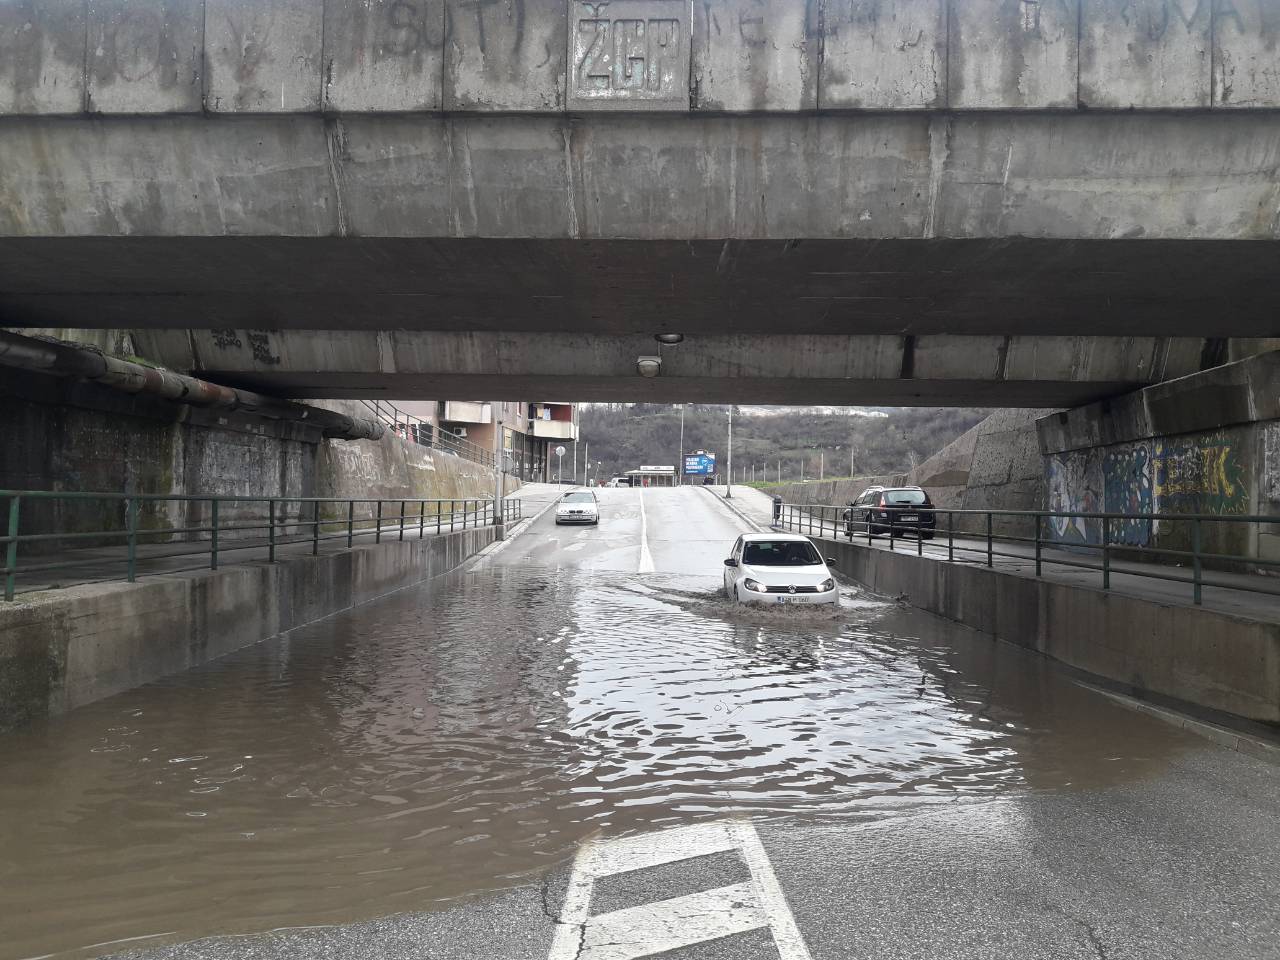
(1208, 443)
(60, 650)
(64, 435)
(1189, 655)
(996, 464)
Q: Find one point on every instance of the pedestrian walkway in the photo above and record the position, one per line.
(1229, 593)
(79, 565)
(748, 502)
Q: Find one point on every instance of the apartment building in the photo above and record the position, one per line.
(531, 430)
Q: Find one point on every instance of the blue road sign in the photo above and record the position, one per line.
(699, 464)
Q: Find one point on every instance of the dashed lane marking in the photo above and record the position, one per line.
(650, 928)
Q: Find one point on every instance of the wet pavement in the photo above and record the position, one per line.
(414, 778)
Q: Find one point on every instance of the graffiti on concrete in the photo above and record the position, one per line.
(1127, 488)
(1204, 473)
(1200, 474)
(1271, 466)
(1075, 486)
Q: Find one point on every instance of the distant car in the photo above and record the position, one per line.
(900, 509)
(778, 568)
(619, 482)
(578, 506)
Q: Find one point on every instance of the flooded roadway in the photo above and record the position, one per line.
(438, 756)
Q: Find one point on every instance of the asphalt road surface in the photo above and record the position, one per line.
(574, 749)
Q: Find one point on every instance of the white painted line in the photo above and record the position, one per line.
(646, 558)
(672, 924)
(654, 849)
(664, 925)
(786, 935)
(577, 907)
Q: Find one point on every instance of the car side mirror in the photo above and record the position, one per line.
(731, 562)
(831, 559)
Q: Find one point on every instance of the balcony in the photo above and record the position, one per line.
(466, 411)
(554, 429)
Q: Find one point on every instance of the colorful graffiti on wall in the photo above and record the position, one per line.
(1127, 488)
(1204, 473)
(1075, 485)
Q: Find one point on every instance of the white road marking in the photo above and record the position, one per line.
(646, 558)
(664, 925)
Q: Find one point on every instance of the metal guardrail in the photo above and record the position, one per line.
(1152, 562)
(314, 520)
(414, 429)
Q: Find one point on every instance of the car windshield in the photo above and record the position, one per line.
(579, 497)
(780, 553)
(905, 496)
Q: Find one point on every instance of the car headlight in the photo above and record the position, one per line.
(752, 585)
(825, 585)
(884, 514)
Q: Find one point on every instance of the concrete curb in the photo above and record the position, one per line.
(498, 546)
(95, 640)
(1172, 655)
(1223, 736)
(733, 508)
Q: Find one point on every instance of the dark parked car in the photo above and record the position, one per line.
(880, 509)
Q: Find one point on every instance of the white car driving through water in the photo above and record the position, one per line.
(578, 506)
(778, 568)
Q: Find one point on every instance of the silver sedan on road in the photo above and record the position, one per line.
(778, 568)
(578, 506)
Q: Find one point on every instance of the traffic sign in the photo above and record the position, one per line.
(560, 451)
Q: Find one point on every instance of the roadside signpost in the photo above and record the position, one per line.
(559, 464)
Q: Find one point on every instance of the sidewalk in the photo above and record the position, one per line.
(1222, 592)
(748, 502)
(107, 563)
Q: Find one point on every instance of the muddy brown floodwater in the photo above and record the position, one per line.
(462, 737)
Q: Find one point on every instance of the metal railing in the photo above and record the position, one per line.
(414, 429)
(217, 526)
(1181, 557)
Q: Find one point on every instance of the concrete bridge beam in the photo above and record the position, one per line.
(552, 56)
(762, 368)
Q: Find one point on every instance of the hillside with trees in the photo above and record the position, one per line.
(838, 442)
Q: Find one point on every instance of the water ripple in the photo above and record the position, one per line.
(445, 741)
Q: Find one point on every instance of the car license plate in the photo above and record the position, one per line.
(787, 599)
(910, 516)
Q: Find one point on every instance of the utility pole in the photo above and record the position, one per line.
(586, 450)
(680, 458)
(497, 471)
(728, 489)
(575, 462)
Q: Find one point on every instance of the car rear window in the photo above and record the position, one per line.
(780, 553)
(905, 496)
(579, 497)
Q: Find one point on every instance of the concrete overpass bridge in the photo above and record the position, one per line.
(924, 201)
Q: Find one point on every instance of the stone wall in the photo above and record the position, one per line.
(994, 465)
(64, 435)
